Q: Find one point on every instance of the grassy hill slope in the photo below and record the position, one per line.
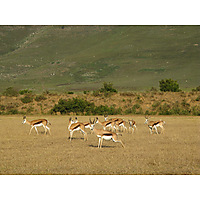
(60, 58)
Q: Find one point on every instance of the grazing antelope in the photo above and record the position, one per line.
(77, 126)
(132, 125)
(104, 135)
(154, 124)
(37, 122)
(106, 124)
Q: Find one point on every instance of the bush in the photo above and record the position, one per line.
(27, 99)
(96, 93)
(11, 92)
(2, 107)
(26, 91)
(13, 112)
(107, 90)
(196, 89)
(70, 92)
(40, 98)
(83, 107)
(108, 87)
(169, 85)
(198, 98)
(86, 92)
(153, 89)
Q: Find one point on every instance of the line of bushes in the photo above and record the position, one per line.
(83, 107)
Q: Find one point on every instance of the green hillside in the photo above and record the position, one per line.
(73, 58)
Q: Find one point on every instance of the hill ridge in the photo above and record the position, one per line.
(82, 57)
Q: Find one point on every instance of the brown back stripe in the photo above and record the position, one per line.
(155, 123)
(38, 122)
(107, 134)
(108, 123)
(120, 122)
(76, 126)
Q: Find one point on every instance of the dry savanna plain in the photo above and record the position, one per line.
(176, 151)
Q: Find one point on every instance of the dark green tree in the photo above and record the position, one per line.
(169, 85)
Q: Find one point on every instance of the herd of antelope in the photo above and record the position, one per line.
(115, 125)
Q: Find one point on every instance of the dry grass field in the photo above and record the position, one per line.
(176, 151)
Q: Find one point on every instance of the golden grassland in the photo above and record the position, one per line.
(174, 152)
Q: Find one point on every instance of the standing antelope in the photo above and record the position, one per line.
(154, 124)
(86, 124)
(121, 123)
(117, 122)
(106, 124)
(37, 122)
(113, 119)
(71, 121)
(104, 135)
(77, 126)
(132, 125)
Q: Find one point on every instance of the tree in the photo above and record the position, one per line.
(107, 89)
(11, 92)
(169, 85)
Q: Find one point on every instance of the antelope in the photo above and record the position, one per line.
(86, 124)
(132, 125)
(117, 121)
(154, 124)
(106, 124)
(104, 135)
(71, 121)
(113, 119)
(121, 123)
(37, 122)
(76, 126)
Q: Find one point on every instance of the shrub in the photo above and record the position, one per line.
(127, 94)
(164, 109)
(96, 93)
(40, 98)
(196, 89)
(70, 92)
(86, 92)
(26, 91)
(11, 92)
(76, 105)
(153, 89)
(13, 112)
(169, 85)
(83, 107)
(27, 99)
(2, 107)
(108, 87)
(198, 98)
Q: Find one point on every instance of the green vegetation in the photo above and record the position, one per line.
(78, 58)
(26, 91)
(106, 90)
(196, 89)
(40, 98)
(70, 92)
(169, 85)
(11, 92)
(27, 99)
(82, 107)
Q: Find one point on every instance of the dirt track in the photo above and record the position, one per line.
(174, 152)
